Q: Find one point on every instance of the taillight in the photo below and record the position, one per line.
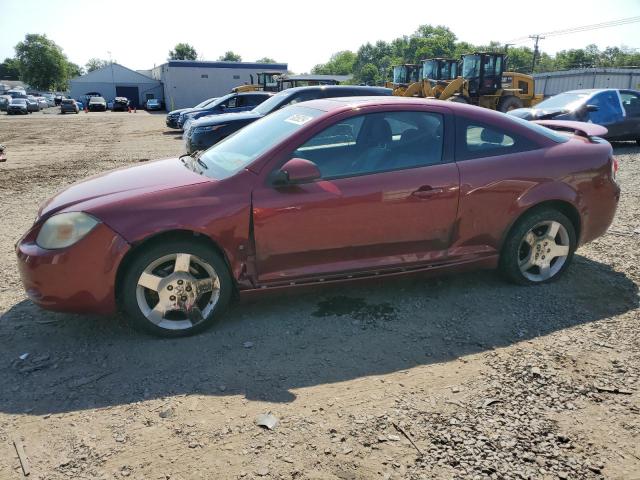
(614, 167)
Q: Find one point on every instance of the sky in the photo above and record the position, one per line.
(140, 33)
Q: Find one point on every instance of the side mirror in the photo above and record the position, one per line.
(295, 171)
(592, 108)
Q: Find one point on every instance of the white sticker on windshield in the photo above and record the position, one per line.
(298, 119)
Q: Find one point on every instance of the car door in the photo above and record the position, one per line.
(631, 124)
(387, 197)
(609, 113)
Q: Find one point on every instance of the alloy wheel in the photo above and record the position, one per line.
(178, 291)
(543, 251)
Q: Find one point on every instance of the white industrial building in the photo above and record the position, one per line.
(187, 83)
(552, 83)
(114, 80)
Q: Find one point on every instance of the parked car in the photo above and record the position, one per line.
(322, 191)
(120, 104)
(172, 116)
(618, 110)
(153, 104)
(58, 99)
(17, 93)
(231, 103)
(69, 105)
(208, 131)
(4, 102)
(80, 104)
(50, 99)
(18, 105)
(32, 104)
(97, 104)
(42, 103)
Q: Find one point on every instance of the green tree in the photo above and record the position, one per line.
(265, 60)
(340, 63)
(183, 51)
(10, 69)
(74, 70)
(369, 74)
(230, 57)
(95, 64)
(42, 63)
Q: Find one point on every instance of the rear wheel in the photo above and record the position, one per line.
(509, 103)
(539, 247)
(176, 289)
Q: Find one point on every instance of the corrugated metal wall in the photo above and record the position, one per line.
(552, 83)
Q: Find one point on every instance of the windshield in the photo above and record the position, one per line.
(96, 100)
(238, 151)
(272, 103)
(429, 69)
(67, 101)
(206, 102)
(17, 101)
(568, 101)
(558, 137)
(471, 66)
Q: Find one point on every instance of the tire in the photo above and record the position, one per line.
(165, 287)
(509, 102)
(529, 256)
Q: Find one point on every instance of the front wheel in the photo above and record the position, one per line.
(176, 289)
(539, 248)
(509, 103)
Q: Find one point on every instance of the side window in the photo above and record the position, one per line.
(232, 102)
(477, 140)
(631, 103)
(609, 109)
(251, 100)
(376, 142)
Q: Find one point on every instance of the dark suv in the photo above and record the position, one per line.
(231, 103)
(208, 131)
(120, 104)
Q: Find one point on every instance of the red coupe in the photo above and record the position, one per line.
(323, 191)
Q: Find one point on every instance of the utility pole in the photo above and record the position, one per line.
(537, 38)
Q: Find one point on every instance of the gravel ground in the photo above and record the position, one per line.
(457, 377)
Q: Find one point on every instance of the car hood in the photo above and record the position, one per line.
(124, 183)
(226, 118)
(177, 112)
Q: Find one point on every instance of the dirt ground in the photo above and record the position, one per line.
(458, 377)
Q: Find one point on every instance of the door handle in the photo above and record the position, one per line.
(427, 191)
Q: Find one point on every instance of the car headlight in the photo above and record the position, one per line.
(65, 229)
(208, 128)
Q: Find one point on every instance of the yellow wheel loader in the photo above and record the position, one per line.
(267, 81)
(436, 75)
(404, 76)
(485, 83)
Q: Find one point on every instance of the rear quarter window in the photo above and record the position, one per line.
(477, 140)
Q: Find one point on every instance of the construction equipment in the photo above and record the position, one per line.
(436, 75)
(485, 83)
(267, 82)
(404, 76)
(482, 82)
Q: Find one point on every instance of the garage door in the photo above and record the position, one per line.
(131, 93)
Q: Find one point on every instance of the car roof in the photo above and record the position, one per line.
(336, 88)
(337, 104)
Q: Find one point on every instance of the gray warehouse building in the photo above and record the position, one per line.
(114, 80)
(552, 83)
(187, 83)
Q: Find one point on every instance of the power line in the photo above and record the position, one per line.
(583, 28)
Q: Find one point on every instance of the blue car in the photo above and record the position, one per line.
(80, 104)
(618, 110)
(233, 102)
